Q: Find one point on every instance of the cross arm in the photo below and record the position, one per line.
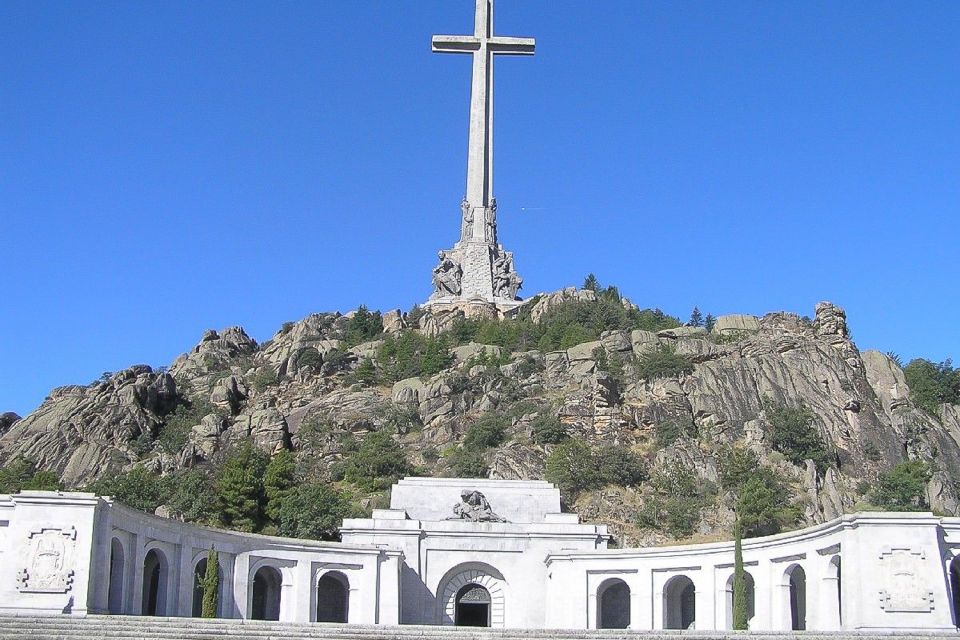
(513, 46)
(455, 44)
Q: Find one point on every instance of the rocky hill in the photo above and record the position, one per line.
(643, 421)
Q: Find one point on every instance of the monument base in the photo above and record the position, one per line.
(476, 272)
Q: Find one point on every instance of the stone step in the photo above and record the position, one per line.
(153, 628)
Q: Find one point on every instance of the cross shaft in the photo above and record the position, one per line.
(483, 46)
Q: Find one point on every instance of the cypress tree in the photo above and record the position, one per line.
(740, 621)
(211, 586)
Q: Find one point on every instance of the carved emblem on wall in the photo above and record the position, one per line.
(474, 507)
(50, 561)
(905, 590)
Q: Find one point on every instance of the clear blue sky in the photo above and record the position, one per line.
(166, 167)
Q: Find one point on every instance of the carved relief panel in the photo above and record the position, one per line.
(49, 567)
(901, 570)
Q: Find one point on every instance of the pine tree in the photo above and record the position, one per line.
(740, 621)
(240, 488)
(709, 322)
(211, 586)
(591, 283)
(278, 482)
(696, 318)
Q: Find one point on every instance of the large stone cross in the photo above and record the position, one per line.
(483, 46)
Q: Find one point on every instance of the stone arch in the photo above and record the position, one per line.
(472, 606)
(613, 604)
(679, 603)
(477, 574)
(118, 572)
(156, 575)
(751, 598)
(795, 578)
(953, 570)
(333, 598)
(265, 593)
(199, 573)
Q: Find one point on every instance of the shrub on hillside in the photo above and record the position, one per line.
(411, 354)
(547, 429)
(314, 511)
(377, 464)
(675, 501)
(138, 488)
(663, 363)
(21, 474)
(489, 430)
(575, 467)
(903, 488)
(668, 432)
(932, 385)
(792, 433)
(467, 462)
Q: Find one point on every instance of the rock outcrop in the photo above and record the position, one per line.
(300, 390)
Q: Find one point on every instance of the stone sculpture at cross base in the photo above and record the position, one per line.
(477, 270)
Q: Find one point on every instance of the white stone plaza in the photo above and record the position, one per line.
(488, 553)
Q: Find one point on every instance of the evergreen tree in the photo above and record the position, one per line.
(740, 621)
(591, 283)
(211, 586)
(278, 482)
(240, 488)
(709, 322)
(696, 318)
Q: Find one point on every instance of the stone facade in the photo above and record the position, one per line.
(477, 552)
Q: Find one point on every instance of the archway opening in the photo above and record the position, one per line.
(333, 598)
(751, 598)
(955, 589)
(679, 603)
(613, 611)
(199, 573)
(266, 594)
(115, 594)
(798, 598)
(473, 606)
(154, 584)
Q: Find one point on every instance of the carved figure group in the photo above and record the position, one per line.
(473, 506)
(506, 282)
(447, 276)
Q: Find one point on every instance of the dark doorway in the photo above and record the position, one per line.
(955, 590)
(333, 598)
(199, 573)
(679, 603)
(473, 607)
(115, 597)
(266, 594)
(614, 605)
(154, 584)
(798, 599)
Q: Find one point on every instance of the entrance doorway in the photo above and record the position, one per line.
(614, 609)
(473, 607)
(154, 584)
(267, 583)
(679, 603)
(333, 598)
(798, 598)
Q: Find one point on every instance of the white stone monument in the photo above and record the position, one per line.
(478, 269)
